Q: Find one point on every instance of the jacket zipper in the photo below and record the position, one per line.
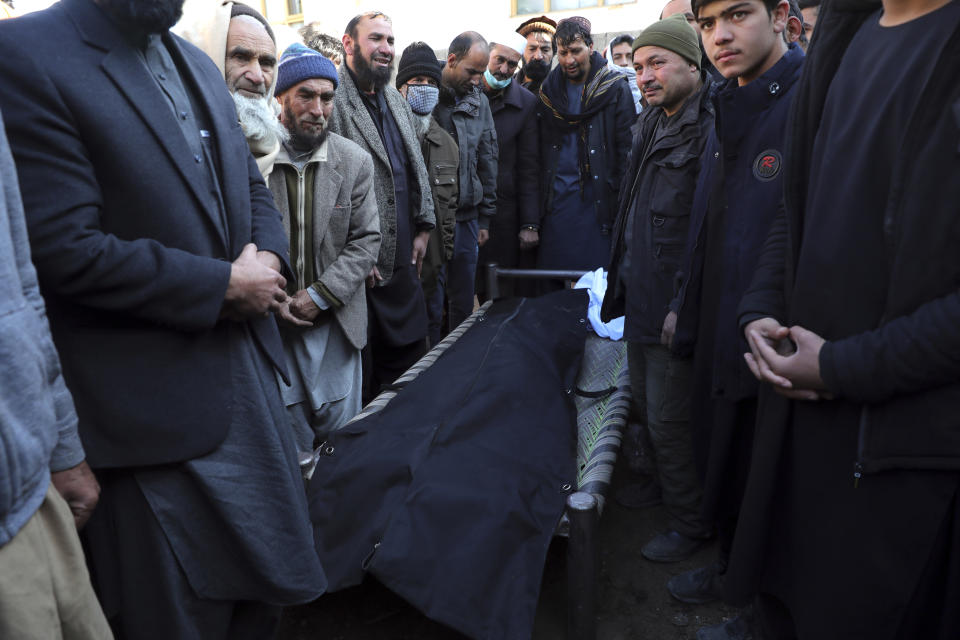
(301, 206)
(861, 448)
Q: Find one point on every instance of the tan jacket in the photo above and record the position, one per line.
(346, 228)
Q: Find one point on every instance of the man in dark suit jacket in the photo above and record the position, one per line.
(160, 252)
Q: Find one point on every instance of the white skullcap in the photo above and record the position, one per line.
(511, 40)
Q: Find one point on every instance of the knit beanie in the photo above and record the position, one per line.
(240, 9)
(418, 60)
(298, 63)
(674, 34)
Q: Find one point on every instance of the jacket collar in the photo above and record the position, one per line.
(324, 153)
(434, 134)
(508, 97)
(769, 87)
(468, 104)
(692, 107)
(122, 65)
(353, 103)
(683, 126)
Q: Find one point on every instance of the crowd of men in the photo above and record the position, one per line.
(238, 246)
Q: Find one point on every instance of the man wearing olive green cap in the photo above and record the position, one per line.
(649, 239)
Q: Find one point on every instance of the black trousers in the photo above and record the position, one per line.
(144, 593)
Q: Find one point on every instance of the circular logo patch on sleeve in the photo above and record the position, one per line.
(767, 165)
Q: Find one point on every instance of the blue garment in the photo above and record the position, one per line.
(739, 192)
(435, 308)
(570, 236)
(38, 424)
(461, 272)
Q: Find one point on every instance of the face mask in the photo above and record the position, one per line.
(422, 98)
(493, 82)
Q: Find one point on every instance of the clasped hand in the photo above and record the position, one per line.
(300, 310)
(787, 358)
(256, 287)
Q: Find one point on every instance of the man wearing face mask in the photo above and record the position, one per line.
(418, 80)
(515, 230)
(538, 53)
(464, 112)
(160, 254)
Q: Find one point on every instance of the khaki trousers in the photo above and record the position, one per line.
(45, 591)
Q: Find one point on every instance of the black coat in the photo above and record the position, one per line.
(518, 173)
(848, 560)
(132, 259)
(734, 206)
(608, 143)
(661, 179)
(450, 495)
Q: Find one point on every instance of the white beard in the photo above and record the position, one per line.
(422, 124)
(258, 119)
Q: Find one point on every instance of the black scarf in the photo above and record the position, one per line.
(598, 92)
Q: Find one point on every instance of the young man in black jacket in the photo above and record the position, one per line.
(850, 526)
(738, 195)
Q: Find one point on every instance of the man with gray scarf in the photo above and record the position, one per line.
(371, 112)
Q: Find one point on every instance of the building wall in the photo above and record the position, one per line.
(437, 23)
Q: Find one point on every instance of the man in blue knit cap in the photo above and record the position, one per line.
(323, 185)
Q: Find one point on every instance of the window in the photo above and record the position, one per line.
(288, 12)
(294, 14)
(523, 7)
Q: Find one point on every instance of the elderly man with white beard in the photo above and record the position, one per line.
(242, 44)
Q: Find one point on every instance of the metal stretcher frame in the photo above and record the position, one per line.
(603, 399)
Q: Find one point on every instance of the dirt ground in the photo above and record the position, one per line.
(633, 603)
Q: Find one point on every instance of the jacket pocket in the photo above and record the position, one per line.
(916, 431)
(444, 184)
(674, 184)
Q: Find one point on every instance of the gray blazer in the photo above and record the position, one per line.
(346, 228)
(351, 120)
